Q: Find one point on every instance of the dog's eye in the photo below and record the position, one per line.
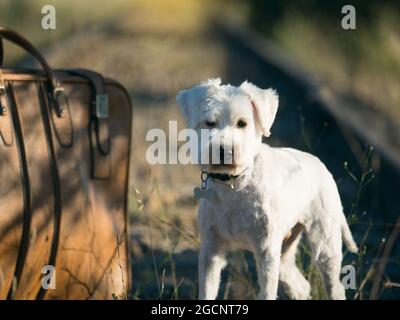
(210, 124)
(241, 123)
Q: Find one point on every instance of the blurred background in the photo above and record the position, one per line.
(339, 99)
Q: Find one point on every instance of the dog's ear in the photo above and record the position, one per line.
(189, 100)
(265, 103)
(182, 101)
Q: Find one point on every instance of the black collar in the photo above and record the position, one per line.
(222, 176)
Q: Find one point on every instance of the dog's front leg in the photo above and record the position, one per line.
(211, 262)
(268, 260)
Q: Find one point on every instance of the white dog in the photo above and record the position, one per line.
(265, 197)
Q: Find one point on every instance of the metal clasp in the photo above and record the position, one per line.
(203, 192)
(204, 179)
(101, 106)
(60, 101)
(3, 109)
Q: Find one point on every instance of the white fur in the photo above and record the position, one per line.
(277, 188)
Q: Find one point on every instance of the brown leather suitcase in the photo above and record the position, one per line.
(64, 168)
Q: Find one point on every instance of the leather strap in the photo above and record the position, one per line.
(27, 210)
(15, 38)
(55, 181)
(6, 128)
(222, 176)
(1, 52)
(99, 132)
(59, 100)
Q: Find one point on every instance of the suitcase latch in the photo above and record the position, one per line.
(6, 131)
(61, 101)
(61, 116)
(101, 106)
(3, 108)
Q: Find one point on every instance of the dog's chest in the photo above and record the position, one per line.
(239, 215)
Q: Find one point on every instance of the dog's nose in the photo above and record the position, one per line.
(225, 156)
(221, 155)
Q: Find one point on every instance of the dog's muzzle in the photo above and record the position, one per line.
(225, 155)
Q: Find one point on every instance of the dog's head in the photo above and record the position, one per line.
(236, 118)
